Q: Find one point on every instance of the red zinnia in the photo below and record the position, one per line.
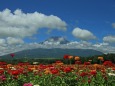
(66, 56)
(15, 72)
(3, 63)
(83, 74)
(67, 69)
(1, 72)
(54, 71)
(58, 61)
(93, 72)
(87, 63)
(108, 63)
(78, 62)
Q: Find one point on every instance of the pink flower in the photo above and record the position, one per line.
(27, 84)
(12, 54)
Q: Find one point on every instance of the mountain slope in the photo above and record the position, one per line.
(54, 53)
(53, 48)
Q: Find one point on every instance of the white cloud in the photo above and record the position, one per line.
(14, 41)
(2, 42)
(83, 34)
(101, 44)
(103, 47)
(20, 24)
(15, 26)
(109, 39)
(113, 25)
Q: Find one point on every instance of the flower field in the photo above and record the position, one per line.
(58, 73)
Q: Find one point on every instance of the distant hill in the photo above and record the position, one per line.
(54, 53)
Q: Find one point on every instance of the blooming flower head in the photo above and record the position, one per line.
(113, 68)
(78, 62)
(2, 78)
(59, 62)
(66, 56)
(77, 58)
(35, 63)
(12, 54)
(70, 57)
(67, 69)
(108, 63)
(1, 72)
(83, 74)
(93, 72)
(3, 63)
(27, 84)
(87, 63)
(111, 74)
(15, 72)
(101, 58)
(36, 85)
(54, 71)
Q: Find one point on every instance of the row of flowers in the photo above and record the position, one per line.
(58, 73)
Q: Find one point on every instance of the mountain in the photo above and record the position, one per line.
(55, 40)
(53, 48)
(54, 53)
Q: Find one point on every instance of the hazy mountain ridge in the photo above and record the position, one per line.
(55, 53)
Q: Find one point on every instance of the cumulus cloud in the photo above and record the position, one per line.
(14, 41)
(101, 44)
(109, 39)
(2, 42)
(83, 34)
(113, 25)
(20, 24)
(15, 26)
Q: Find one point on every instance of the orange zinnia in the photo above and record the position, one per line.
(77, 58)
(70, 57)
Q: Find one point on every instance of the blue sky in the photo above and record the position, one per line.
(94, 19)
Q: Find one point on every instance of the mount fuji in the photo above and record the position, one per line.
(54, 47)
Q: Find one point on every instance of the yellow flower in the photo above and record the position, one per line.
(100, 58)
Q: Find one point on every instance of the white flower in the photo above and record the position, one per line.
(80, 70)
(36, 85)
(35, 70)
(1, 68)
(109, 68)
(35, 62)
(111, 74)
(13, 68)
